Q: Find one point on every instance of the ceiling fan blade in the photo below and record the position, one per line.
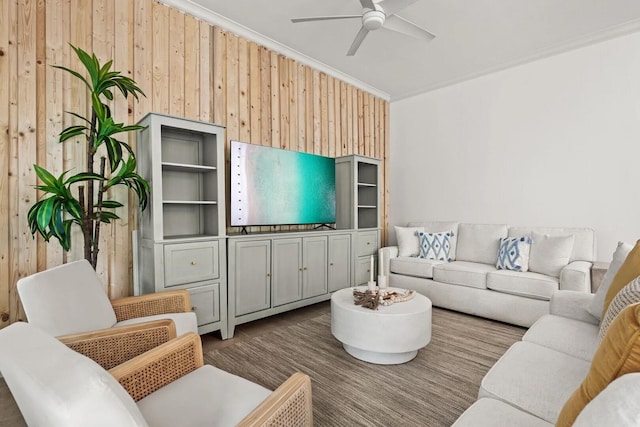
(391, 7)
(324, 18)
(357, 41)
(368, 4)
(401, 25)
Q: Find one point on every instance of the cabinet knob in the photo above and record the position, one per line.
(300, 269)
(305, 268)
(368, 243)
(194, 262)
(268, 274)
(330, 263)
(194, 308)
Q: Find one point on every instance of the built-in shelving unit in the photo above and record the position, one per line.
(357, 208)
(182, 235)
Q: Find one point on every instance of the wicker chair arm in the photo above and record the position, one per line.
(289, 405)
(156, 368)
(152, 304)
(113, 346)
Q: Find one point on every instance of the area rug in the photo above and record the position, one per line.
(431, 390)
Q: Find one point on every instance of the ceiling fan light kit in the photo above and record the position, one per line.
(374, 16)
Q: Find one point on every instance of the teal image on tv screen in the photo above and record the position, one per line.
(272, 186)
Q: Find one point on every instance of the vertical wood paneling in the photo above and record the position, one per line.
(206, 77)
(24, 253)
(191, 74)
(255, 93)
(219, 76)
(160, 59)
(331, 118)
(177, 71)
(5, 50)
(244, 104)
(187, 68)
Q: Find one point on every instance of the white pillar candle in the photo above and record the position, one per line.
(381, 262)
(371, 270)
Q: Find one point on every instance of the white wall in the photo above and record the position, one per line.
(555, 142)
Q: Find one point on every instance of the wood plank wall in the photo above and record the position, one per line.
(187, 68)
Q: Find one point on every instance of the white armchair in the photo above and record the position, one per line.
(167, 386)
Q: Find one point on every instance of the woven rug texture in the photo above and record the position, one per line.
(431, 390)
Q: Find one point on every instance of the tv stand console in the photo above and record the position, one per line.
(277, 272)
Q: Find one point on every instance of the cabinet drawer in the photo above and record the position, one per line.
(190, 262)
(367, 243)
(205, 302)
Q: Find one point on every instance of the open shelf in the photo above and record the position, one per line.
(181, 167)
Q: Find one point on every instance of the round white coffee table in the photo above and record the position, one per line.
(389, 335)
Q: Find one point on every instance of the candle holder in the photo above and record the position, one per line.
(383, 282)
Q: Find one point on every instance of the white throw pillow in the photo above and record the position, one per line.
(514, 253)
(408, 240)
(550, 254)
(435, 245)
(619, 255)
(617, 405)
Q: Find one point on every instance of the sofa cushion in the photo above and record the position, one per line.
(203, 397)
(549, 254)
(410, 266)
(619, 255)
(408, 240)
(531, 285)
(513, 253)
(534, 378)
(479, 242)
(463, 273)
(617, 405)
(569, 336)
(435, 245)
(495, 413)
(584, 245)
(629, 270)
(438, 226)
(618, 354)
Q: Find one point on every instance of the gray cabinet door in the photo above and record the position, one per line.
(339, 262)
(287, 271)
(252, 271)
(314, 266)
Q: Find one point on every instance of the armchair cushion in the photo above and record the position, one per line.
(57, 387)
(190, 401)
(67, 299)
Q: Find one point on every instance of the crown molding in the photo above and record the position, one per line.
(609, 33)
(224, 23)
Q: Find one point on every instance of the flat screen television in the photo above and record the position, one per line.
(272, 186)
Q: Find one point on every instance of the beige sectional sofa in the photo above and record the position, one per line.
(470, 282)
(561, 357)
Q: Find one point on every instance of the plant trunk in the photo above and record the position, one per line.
(88, 230)
(96, 221)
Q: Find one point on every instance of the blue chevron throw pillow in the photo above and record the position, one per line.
(514, 253)
(435, 245)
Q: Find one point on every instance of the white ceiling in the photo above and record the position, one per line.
(473, 37)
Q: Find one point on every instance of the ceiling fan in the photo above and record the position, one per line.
(375, 16)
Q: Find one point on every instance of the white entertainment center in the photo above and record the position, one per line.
(234, 279)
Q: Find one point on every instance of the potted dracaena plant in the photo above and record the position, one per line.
(58, 209)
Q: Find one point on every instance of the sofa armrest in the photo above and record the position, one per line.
(576, 276)
(290, 404)
(152, 304)
(113, 346)
(573, 305)
(385, 254)
(156, 368)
